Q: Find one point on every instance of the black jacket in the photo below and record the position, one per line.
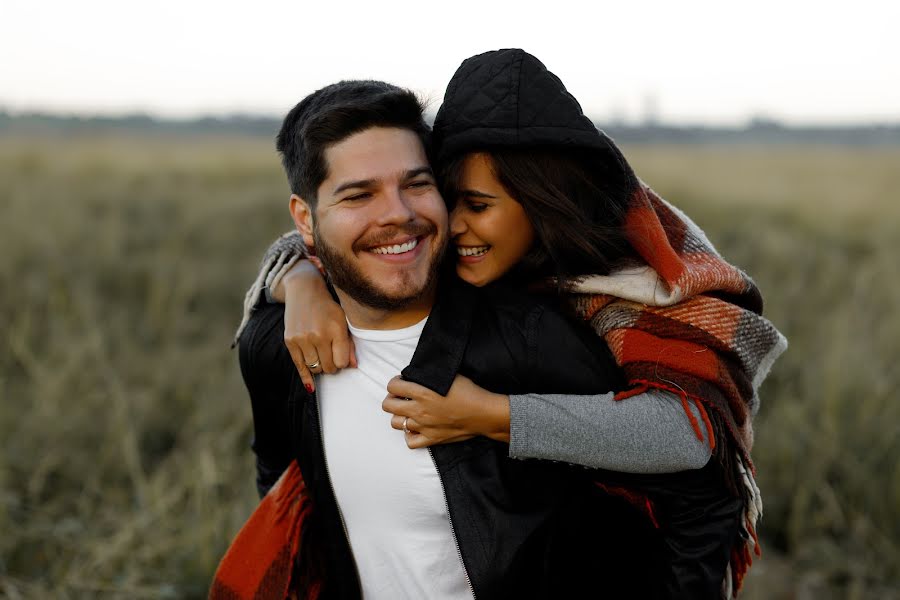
(524, 528)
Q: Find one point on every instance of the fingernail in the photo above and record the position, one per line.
(309, 388)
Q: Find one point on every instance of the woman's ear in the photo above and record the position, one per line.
(302, 213)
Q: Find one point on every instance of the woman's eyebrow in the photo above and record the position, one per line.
(476, 194)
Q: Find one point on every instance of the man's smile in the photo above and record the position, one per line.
(396, 247)
(400, 251)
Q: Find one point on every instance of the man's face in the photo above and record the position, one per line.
(380, 225)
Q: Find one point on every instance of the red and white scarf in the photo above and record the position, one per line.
(688, 322)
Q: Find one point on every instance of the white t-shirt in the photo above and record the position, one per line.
(390, 496)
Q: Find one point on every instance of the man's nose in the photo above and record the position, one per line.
(395, 208)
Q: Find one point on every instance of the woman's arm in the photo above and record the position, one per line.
(315, 328)
(647, 433)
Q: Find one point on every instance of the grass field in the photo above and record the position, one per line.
(124, 425)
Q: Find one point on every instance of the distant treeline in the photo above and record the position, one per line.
(757, 131)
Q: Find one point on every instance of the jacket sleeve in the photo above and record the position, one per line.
(696, 513)
(278, 260)
(268, 374)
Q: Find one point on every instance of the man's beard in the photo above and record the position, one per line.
(345, 275)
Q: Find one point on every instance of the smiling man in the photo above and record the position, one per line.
(381, 260)
(366, 201)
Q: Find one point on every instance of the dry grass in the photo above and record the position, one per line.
(124, 425)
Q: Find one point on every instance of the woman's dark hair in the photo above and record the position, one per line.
(575, 200)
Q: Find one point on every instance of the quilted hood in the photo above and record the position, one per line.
(508, 98)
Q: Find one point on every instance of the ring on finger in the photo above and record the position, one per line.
(314, 365)
(405, 428)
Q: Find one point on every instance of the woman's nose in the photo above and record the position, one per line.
(457, 222)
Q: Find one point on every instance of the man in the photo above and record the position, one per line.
(460, 520)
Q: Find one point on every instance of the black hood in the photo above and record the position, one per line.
(508, 98)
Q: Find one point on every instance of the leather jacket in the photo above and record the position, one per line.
(523, 528)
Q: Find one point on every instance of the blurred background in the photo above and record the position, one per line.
(139, 187)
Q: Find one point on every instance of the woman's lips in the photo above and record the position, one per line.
(471, 254)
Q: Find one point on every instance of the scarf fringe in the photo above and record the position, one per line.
(747, 545)
(637, 499)
(644, 385)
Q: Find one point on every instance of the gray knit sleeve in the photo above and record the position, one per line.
(278, 260)
(647, 433)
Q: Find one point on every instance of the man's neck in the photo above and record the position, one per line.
(363, 316)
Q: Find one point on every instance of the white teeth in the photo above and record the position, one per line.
(397, 248)
(472, 250)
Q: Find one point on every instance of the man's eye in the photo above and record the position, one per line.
(361, 196)
(419, 184)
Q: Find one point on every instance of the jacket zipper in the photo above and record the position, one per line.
(333, 494)
(452, 530)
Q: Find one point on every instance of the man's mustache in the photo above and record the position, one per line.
(384, 236)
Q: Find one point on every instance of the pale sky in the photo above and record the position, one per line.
(715, 62)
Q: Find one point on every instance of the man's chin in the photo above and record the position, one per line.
(380, 301)
(397, 297)
(380, 284)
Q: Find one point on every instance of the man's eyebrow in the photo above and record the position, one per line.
(367, 183)
(420, 171)
(358, 183)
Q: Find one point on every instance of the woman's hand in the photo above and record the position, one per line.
(466, 411)
(315, 328)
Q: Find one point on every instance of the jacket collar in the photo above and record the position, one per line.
(443, 342)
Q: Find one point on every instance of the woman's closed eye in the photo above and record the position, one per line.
(475, 206)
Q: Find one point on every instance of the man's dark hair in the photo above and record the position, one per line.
(575, 200)
(334, 113)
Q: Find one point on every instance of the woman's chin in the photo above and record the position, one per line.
(476, 275)
(479, 274)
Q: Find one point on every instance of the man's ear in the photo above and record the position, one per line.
(302, 213)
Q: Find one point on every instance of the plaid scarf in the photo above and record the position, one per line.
(262, 562)
(688, 322)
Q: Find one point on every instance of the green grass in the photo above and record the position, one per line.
(124, 425)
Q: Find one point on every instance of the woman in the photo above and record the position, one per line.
(541, 197)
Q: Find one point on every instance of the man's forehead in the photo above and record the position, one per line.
(375, 155)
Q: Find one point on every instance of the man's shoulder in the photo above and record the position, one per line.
(266, 321)
(262, 340)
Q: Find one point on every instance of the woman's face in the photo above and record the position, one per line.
(489, 229)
